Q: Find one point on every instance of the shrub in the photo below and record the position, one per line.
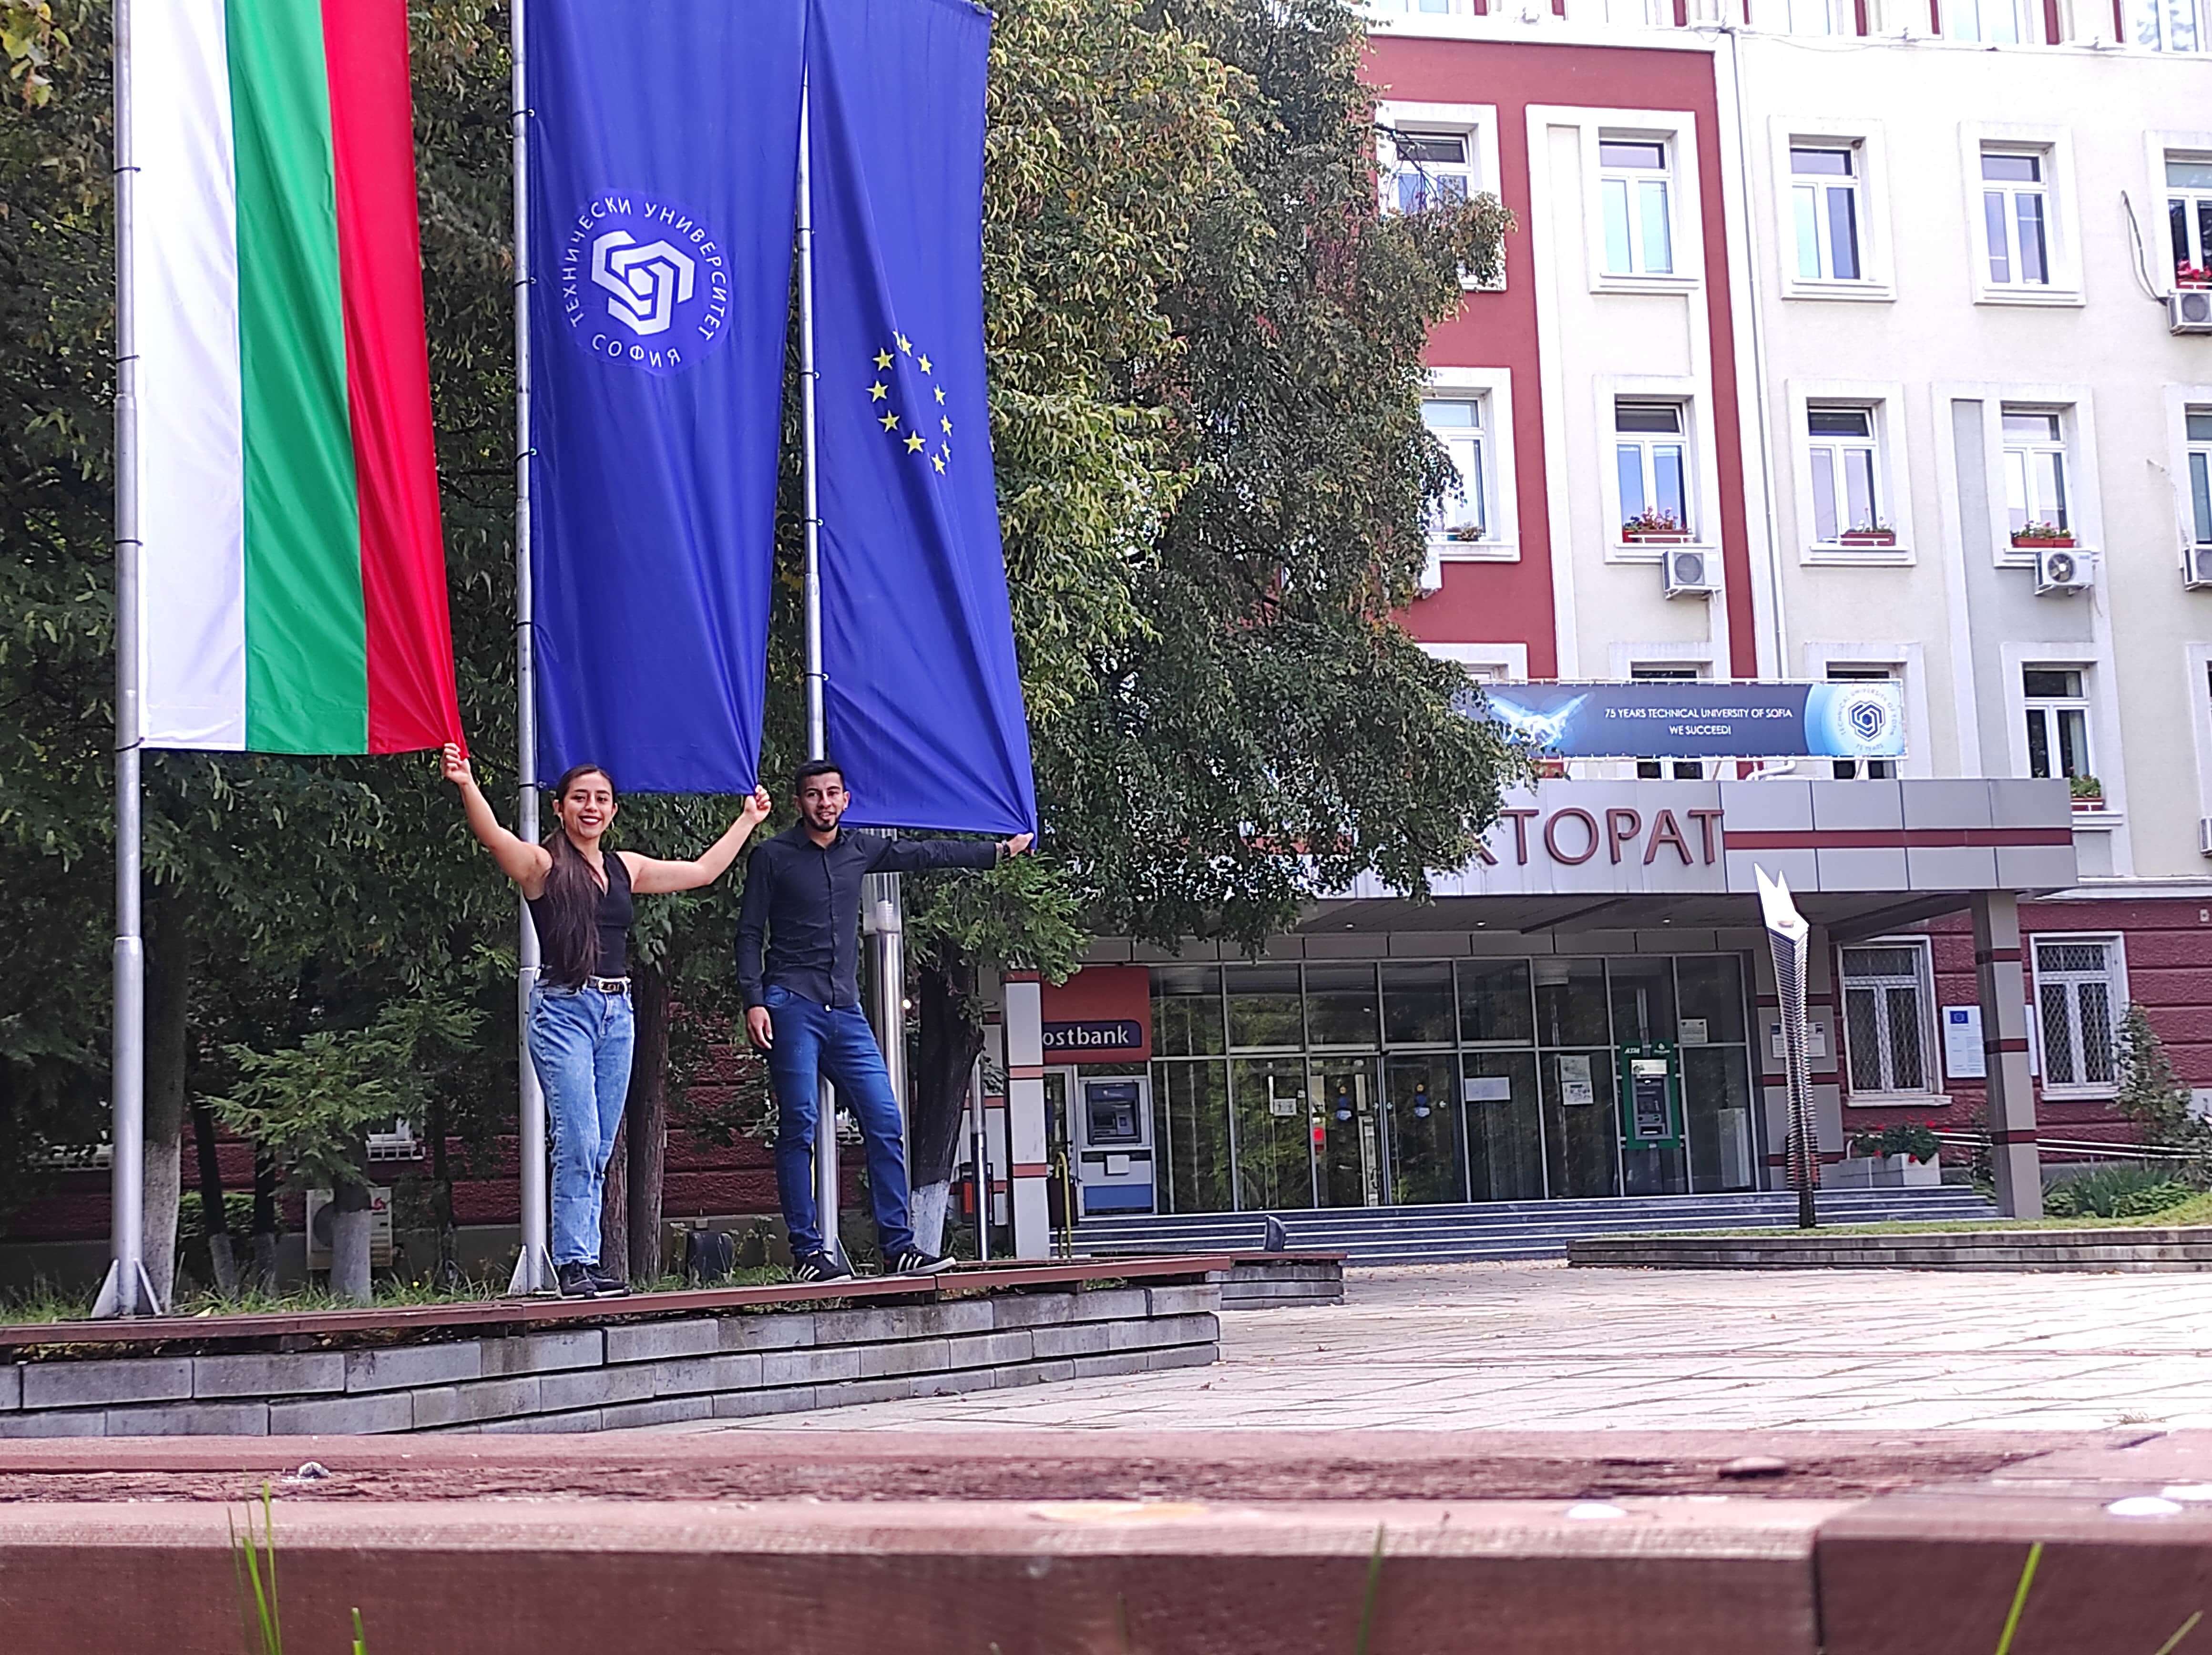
(2116, 1192)
(2153, 1098)
(1908, 1137)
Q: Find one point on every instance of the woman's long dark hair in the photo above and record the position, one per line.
(569, 922)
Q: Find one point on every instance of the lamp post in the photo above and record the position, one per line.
(1787, 934)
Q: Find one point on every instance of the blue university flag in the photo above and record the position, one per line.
(924, 699)
(664, 159)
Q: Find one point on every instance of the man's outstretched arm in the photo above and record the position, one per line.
(907, 855)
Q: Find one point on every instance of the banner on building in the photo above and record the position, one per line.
(923, 697)
(664, 157)
(293, 570)
(1864, 719)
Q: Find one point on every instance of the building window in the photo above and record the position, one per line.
(1993, 22)
(1651, 460)
(2016, 216)
(2167, 25)
(2198, 422)
(1805, 17)
(1886, 1019)
(1680, 769)
(2035, 470)
(1846, 492)
(1854, 672)
(1636, 184)
(2189, 212)
(1433, 169)
(2058, 708)
(1458, 424)
(2077, 995)
(1824, 189)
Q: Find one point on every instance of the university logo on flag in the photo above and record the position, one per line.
(644, 282)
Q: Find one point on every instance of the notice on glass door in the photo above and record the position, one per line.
(1576, 1086)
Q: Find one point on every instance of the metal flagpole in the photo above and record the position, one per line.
(126, 1291)
(817, 732)
(533, 1267)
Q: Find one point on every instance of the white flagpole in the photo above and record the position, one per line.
(817, 736)
(533, 1268)
(126, 1291)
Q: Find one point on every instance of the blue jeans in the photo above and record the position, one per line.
(814, 1043)
(580, 1045)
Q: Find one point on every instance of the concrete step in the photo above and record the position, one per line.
(1471, 1232)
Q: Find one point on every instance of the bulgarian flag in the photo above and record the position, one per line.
(293, 568)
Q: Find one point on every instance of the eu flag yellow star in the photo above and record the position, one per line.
(883, 393)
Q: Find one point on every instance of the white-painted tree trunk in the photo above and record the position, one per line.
(926, 1212)
(349, 1250)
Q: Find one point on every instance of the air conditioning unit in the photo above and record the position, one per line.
(1691, 571)
(2063, 570)
(2196, 565)
(2189, 311)
(2204, 835)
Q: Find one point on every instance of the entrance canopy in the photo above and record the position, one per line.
(1861, 857)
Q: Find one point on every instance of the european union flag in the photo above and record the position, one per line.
(924, 699)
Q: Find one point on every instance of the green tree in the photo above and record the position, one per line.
(313, 1104)
(2153, 1097)
(1245, 726)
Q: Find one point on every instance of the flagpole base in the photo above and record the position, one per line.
(533, 1274)
(109, 1304)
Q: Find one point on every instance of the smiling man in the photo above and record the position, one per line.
(799, 968)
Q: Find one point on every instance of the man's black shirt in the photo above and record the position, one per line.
(803, 901)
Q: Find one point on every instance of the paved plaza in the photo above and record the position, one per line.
(1533, 1347)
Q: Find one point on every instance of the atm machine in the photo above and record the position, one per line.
(1112, 1122)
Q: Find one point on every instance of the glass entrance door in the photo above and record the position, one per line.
(1421, 1138)
(1349, 1144)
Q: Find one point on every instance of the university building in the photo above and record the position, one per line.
(1839, 340)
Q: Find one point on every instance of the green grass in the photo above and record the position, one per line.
(45, 1302)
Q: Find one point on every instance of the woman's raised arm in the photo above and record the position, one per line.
(526, 863)
(649, 873)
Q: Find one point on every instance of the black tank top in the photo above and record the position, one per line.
(612, 915)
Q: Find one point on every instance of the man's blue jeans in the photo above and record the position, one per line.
(814, 1043)
(580, 1045)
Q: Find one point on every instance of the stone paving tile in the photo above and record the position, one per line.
(1532, 1346)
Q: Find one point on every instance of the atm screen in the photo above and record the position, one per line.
(1112, 1109)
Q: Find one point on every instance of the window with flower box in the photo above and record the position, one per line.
(2188, 217)
(2036, 507)
(1651, 460)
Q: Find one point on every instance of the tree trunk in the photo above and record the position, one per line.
(447, 1270)
(215, 1218)
(350, 1249)
(263, 1276)
(168, 1005)
(950, 1040)
(614, 1208)
(648, 1122)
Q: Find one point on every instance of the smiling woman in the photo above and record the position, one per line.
(581, 1026)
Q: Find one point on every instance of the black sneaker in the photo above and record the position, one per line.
(577, 1281)
(611, 1286)
(915, 1262)
(820, 1267)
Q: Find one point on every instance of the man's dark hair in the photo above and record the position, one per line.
(810, 769)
